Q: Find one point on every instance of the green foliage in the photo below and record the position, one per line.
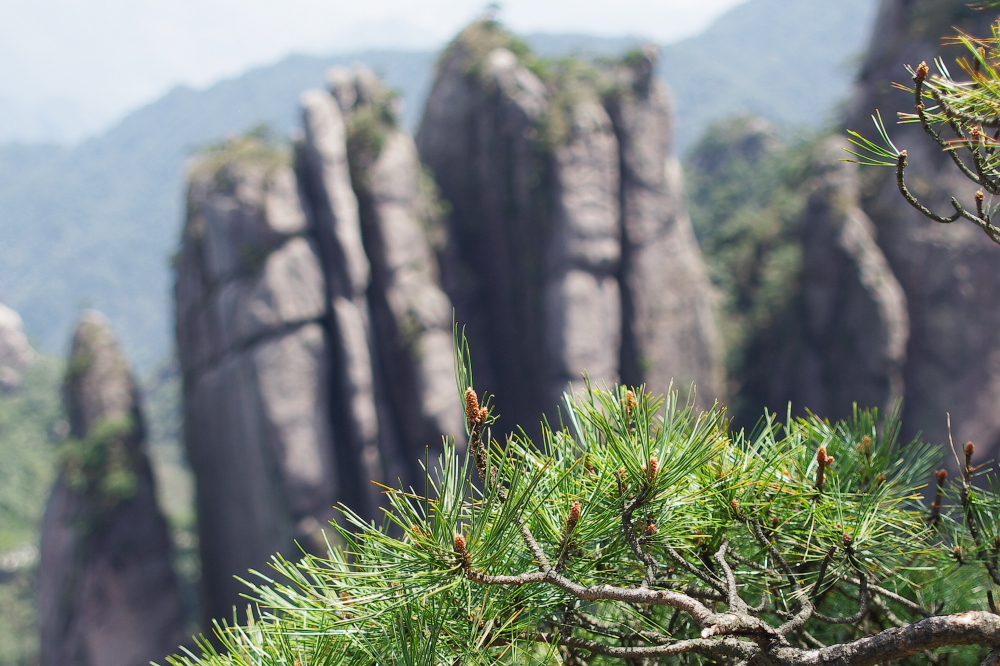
(259, 146)
(18, 620)
(482, 37)
(518, 552)
(173, 477)
(101, 466)
(31, 423)
(368, 126)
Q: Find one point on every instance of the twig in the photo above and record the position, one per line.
(633, 541)
(704, 576)
(736, 604)
(901, 600)
(901, 183)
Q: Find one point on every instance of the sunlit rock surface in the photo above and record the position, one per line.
(255, 355)
(568, 251)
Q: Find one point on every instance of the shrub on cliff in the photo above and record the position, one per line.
(642, 531)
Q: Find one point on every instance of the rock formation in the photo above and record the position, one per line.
(560, 220)
(313, 330)
(253, 346)
(843, 338)
(326, 180)
(107, 593)
(315, 343)
(411, 315)
(669, 333)
(949, 273)
(15, 352)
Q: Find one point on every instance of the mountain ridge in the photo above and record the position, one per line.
(94, 225)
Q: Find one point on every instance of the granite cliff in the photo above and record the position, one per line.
(251, 307)
(314, 324)
(293, 400)
(568, 249)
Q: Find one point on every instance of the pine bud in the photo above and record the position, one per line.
(654, 467)
(979, 199)
(970, 449)
(775, 521)
(630, 401)
(865, 447)
(589, 466)
(957, 554)
(822, 462)
(574, 517)
(652, 529)
(460, 546)
(922, 71)
(848, 540)
(941, 475)
(881, 479)
(472, 410)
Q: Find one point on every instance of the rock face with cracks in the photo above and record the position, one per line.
(107, 593)
(315, 341)
(568, 248)
(254, 349)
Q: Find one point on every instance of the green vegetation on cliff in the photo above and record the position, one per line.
(31, 424)
(746, 194)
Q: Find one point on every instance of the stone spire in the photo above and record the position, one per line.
(107, 592)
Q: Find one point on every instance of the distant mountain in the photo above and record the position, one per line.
(95, 224)
(790, 61)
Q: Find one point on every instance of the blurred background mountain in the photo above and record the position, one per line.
(95, 224)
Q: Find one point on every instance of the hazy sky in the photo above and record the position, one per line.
(109, 56)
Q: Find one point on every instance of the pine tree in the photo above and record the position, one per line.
(642, 531)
